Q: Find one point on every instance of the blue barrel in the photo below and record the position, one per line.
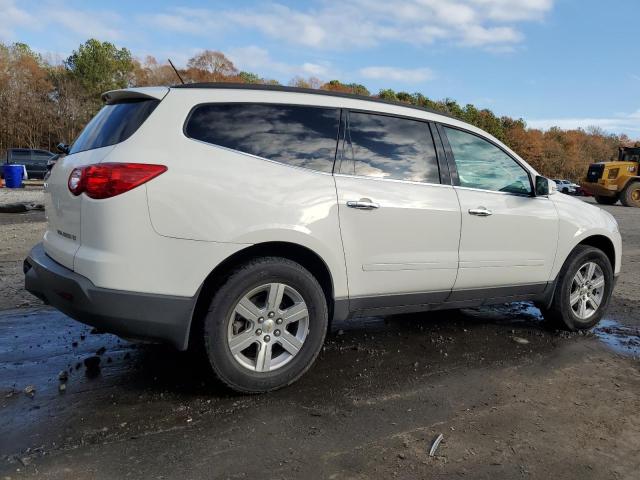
(13, 176)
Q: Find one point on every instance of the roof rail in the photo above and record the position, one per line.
(312, 91)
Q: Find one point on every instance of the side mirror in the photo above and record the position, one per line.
(63, 148)
(544, 186)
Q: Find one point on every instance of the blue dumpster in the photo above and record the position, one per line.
(13, 176)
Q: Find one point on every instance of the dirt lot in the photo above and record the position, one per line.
(512, 398)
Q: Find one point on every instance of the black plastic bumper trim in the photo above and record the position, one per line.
(144, 316)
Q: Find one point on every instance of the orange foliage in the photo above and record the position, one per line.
(41, 104)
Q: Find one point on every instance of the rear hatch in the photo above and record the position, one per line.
(124, 112)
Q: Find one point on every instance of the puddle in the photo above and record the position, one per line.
(516, 312)
(618, 337)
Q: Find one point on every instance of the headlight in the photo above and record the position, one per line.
(613, 173)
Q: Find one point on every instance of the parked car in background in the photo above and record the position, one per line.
(34, 160)
(583, 191)
(565, 186)
(243, 219)
(575, 186)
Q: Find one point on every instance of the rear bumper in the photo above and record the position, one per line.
(136, 315)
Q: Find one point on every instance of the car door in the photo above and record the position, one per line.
(509, 236)
(400, 226)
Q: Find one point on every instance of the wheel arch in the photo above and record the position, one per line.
(601, 242)
(629, 181)
(292, 251)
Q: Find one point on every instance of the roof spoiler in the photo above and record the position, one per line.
(115, 96)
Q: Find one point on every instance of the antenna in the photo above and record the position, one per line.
(175, 70)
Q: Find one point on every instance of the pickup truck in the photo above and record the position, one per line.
(34, 160)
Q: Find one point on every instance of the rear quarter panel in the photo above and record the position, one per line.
(121, 251)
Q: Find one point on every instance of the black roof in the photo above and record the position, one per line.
(313, 91)
(631, 150)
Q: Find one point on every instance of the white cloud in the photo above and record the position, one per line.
(101, 24)
(282, 22)
(198, 21)
(339, 24)
(104, 25)
(315, 69)
(405, 75)
(624, 123)
(514, 10)
(11, 16)
(256, 58)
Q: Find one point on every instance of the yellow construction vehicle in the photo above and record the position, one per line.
(617, 180)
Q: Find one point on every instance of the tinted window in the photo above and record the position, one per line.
(390, 147)
(481, 164)
(41, 156)
(295, 135)
(114, 124)
(21, 155)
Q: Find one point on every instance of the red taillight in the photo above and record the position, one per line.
(105, 180)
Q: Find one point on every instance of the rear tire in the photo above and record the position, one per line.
(631, 195)
(266, 325)
(606, 200)
(578, 304)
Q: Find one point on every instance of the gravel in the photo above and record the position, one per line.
(15, 195)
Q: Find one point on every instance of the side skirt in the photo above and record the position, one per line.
(541, 293)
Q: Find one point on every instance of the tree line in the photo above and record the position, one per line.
(44, 102)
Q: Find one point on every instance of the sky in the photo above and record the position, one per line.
(568, 63)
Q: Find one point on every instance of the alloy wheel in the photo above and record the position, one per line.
(267, 327)
(587, 290)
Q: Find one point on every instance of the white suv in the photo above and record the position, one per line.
(245, 218)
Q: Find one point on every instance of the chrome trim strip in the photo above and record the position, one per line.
(346, 175)
(501, 263)
(524, 195)
(393, 267)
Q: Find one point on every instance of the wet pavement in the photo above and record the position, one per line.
(381, 389)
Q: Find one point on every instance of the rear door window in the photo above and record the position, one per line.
(114, 124)
(388, 147)
(296, 135)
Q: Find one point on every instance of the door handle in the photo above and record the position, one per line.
(480, 212)
(363, 204)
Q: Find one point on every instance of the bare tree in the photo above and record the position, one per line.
(214, 63)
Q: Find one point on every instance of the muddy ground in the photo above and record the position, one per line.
(512, 398)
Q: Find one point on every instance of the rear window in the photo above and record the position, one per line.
(292, 134)
(114, 124)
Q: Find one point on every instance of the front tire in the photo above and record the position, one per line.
(602, 200)
(266, 325)
(631, 195)
(583, 290)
